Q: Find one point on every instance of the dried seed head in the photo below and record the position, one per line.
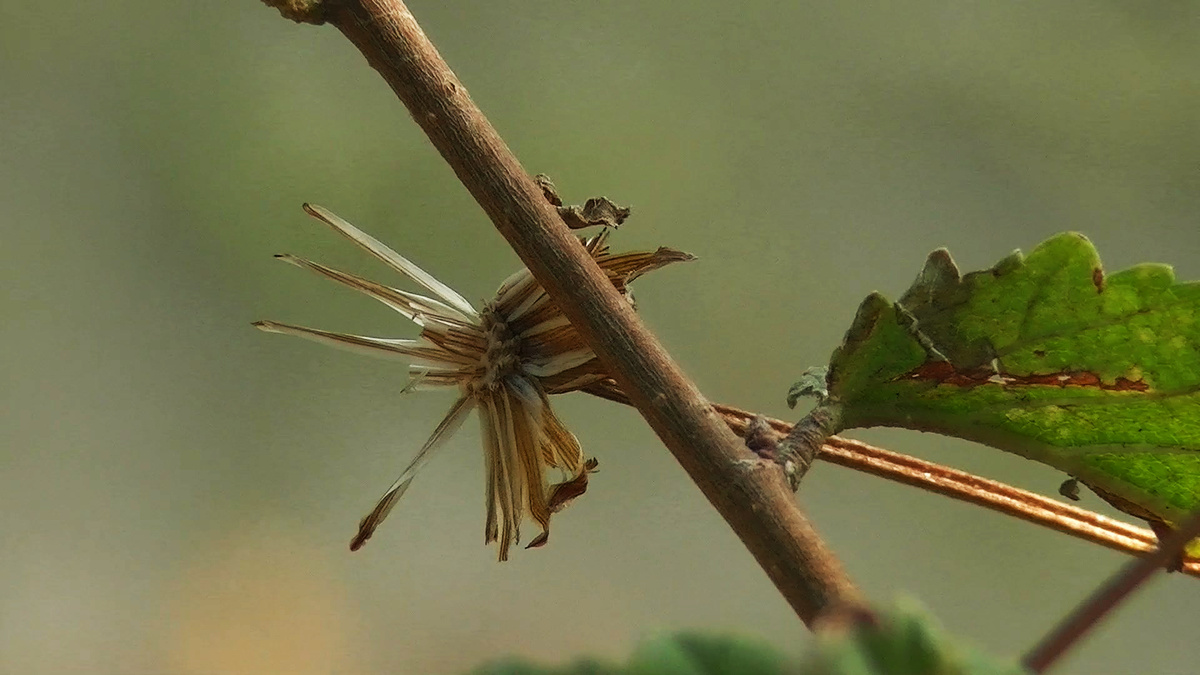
(504, 360)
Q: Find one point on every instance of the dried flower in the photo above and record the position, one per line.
(505, 360)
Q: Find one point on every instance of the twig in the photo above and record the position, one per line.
(1088, 614)
(803, 442)
(1028, 506)
(943, 480)
(751, 495)
(963, 486)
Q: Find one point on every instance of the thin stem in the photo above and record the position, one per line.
(751, 495)
(1028, 506)
(1106, 598)
(803, 442)
(963, 486)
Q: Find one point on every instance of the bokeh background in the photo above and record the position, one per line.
(177, 489)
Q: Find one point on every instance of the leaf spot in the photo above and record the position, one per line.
(944, 372)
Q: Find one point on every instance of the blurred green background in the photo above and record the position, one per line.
(178, 489)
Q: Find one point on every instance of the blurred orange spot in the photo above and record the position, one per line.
(260, 604)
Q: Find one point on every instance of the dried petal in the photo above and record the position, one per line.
(450, 423)
(393, 259)
(411, 305)
(409, 350)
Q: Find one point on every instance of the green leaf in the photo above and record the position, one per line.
(696, 654)
(682, 654)
(1045, 357)
(902, 641)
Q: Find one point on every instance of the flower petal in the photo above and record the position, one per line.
(628, 266)
(560, 321)
(535, 299)
(515, 289)
(566, 492)
(518, 490)
(492, 471)
(393, 259)
(418, 351)
(563, 494)
(415, 307)
(429, 379)
(559, 447)
(500, 473)
(523, 437)
(582, 377)
(559, 362)
(450, 423)
(598, 243)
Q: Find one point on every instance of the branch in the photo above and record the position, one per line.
(1087, 615)
(750, 494)
(960, 485)
(943, 480)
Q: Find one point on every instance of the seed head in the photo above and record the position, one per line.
(504, 361)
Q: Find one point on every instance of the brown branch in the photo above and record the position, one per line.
(960, 485)
(953, 483)
(1106, 598)
(752, 495)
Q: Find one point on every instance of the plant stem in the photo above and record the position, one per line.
(805, 439)
(1028, 506)
(1088, 614)
(752, 496)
